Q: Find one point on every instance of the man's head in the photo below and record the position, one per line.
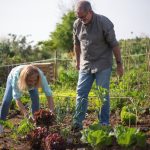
(84, 11)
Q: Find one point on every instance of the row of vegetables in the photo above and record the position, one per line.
(45, 134)
(49, 136)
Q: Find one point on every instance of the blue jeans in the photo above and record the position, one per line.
(85, 82)
(8, 98)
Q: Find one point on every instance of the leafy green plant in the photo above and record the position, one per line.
(117, 103)
(1, 92)
(6, 124)
(9, 125)
(137, 100)
(25, 127)
(65, 132)
(98, 139)
(97, 136)
(127, 117)
(101, 94)
(118, 87)
(67, 79)
(129, 137)
(62, 108)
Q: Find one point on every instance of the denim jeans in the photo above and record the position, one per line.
(8, 98)
(85, 82)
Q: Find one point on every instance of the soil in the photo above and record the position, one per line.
(8, 143)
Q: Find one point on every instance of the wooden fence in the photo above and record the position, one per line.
(47, 68)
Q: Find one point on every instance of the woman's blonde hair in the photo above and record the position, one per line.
(25, 73)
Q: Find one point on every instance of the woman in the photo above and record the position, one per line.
(21, 78)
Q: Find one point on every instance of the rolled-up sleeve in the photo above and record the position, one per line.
(47, 90)
(109, 32)
(75, 38)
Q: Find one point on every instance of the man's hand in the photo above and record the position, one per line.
(120, 70)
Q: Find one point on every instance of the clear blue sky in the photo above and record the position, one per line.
(39, 17)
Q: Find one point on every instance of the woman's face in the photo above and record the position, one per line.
(32, 80)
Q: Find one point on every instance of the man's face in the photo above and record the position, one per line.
(85, 17)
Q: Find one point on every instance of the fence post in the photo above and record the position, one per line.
(56, 64)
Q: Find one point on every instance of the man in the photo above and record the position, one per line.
(94, 46)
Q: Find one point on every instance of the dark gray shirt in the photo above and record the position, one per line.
(96, 41)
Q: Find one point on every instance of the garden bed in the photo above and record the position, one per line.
(20, 143)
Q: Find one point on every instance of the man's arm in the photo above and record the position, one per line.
(117, 54)
(77, 51)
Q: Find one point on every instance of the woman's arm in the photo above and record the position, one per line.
(47, 91)
(50, 103)
(22, 108)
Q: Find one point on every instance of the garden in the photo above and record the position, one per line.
(129, 111)
(129, 119)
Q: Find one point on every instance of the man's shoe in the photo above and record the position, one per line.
(1, 129)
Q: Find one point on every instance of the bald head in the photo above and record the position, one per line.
(83, 6)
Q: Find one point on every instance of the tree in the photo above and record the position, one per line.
(61, 38)
(16, 49)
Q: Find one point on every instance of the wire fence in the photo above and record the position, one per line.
(130, 62)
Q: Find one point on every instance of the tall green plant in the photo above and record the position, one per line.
(101, 94)
(67, 79)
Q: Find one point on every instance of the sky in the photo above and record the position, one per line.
(38, 18)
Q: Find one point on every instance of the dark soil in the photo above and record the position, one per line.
(9, 143)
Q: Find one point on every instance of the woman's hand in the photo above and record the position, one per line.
(31, 119)
(26, 114)
(51, 111)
